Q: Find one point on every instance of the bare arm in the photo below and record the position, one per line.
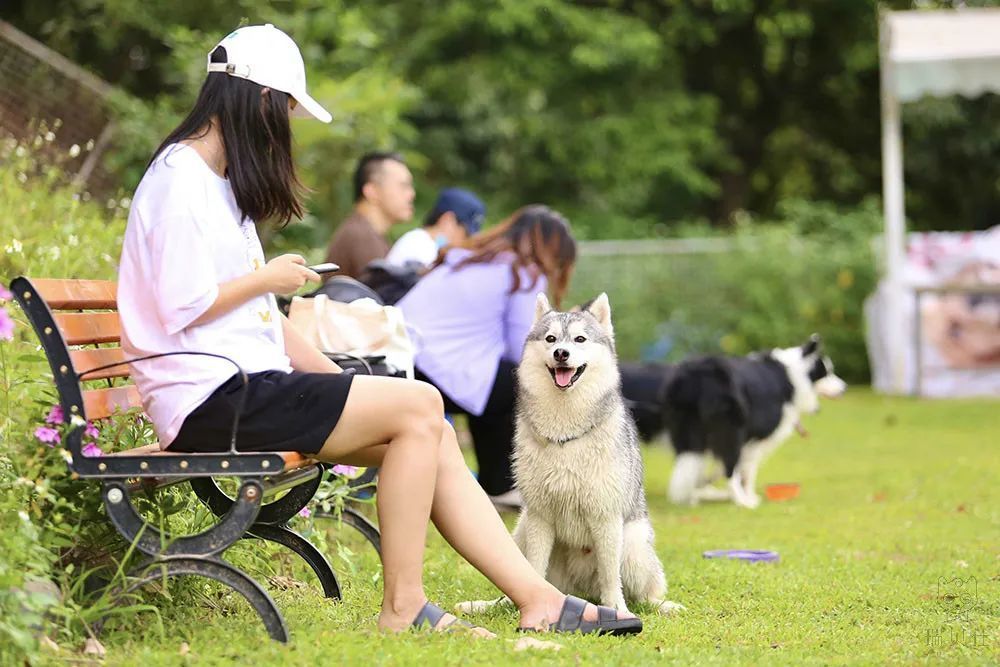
(231, 294)
(282, 275)
(304, 355)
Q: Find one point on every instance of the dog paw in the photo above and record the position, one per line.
(668, 608)
(618, 605)
(478, 606)
(750, 502)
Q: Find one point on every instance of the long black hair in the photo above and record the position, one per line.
(257, 138)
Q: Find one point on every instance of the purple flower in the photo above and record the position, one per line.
(306, 512)
(91, 431)
(49, 436)
(6, 325)
(340, 469)
(90, 450)
(55, 415)
(5, 294)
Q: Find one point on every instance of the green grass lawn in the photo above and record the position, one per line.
(899, 504)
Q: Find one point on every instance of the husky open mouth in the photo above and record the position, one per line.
(565, 377)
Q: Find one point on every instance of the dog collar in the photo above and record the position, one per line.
(563, 441)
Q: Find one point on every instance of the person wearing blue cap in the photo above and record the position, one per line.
(457, 215)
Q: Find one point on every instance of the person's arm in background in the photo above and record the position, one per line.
(519, 317)
(304, 355)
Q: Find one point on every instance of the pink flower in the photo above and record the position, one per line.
(90, 450)
(55, 415)
(91, 431)
(306, 512)
(348, 471)
(6, 325)
(5, 294)
(49, 436)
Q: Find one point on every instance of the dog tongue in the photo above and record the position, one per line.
(564, 376)
(801, 429)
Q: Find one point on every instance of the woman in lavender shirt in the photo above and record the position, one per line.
(471, 315)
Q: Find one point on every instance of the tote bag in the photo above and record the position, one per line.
(360, 328)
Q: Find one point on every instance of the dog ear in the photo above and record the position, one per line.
(541, 306)
(600, 308)
(812, 346)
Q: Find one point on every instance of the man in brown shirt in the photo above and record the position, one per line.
(383, 197)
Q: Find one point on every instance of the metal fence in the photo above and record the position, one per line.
(663, 299)
(43, 92)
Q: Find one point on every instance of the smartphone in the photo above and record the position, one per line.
(328, 267)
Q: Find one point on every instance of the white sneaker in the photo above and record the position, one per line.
(511, 500)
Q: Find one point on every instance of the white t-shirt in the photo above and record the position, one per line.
(184, 237)
(416, 245)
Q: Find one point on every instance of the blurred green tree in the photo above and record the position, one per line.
(632, 116)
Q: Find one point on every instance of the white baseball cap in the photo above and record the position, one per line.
(267, 56)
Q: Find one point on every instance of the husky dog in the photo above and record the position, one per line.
(584, 524)
(737, 411)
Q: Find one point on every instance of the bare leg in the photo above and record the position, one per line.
(406, 415)
(466, 518)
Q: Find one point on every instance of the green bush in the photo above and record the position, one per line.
(47, 228)
(50, 230)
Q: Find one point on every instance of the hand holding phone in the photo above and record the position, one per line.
(327, 267)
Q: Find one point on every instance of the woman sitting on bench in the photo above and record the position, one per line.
(193, 279)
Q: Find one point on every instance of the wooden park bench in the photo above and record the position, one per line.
(78, 327)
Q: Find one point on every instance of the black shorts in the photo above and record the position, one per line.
(283, 412)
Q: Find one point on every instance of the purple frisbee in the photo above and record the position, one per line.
(748, 555)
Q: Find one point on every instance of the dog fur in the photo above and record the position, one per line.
(584, 524)
(730, 410)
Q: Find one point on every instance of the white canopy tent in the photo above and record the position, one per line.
(923, 53)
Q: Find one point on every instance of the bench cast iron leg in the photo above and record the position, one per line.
(303, 547)
(213, 568)
(359, 522)
(147, 539)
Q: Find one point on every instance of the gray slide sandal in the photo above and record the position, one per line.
(607, 623)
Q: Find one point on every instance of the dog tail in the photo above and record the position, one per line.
(706, 388)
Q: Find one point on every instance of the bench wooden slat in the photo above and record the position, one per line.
(92, 358)
(77, 294)
(101, 403)
(295, 460)
(87, 328)
(105, 327)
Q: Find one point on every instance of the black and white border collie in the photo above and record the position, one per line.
(732, 410)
